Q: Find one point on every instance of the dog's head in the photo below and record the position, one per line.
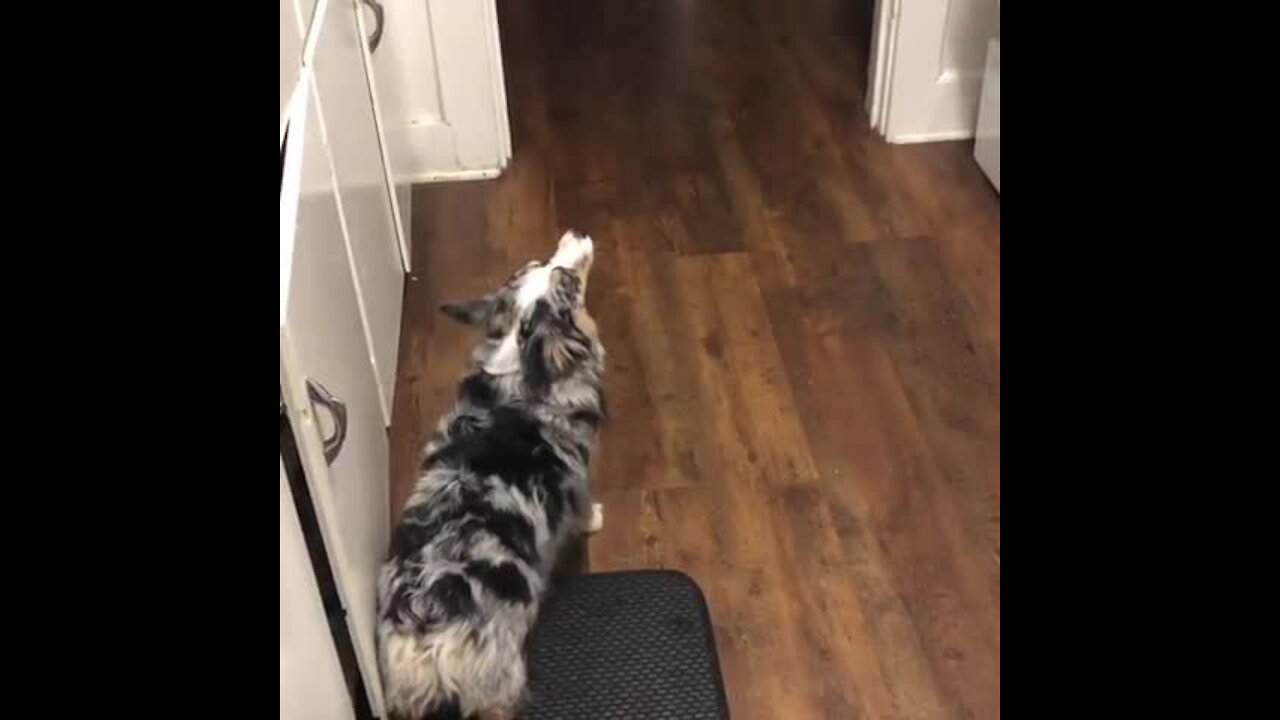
(537, 323)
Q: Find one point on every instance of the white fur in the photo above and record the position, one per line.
(536, 283)
(422, 670)
(506, 359)
(571, 252)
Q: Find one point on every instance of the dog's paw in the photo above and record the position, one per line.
(597, 519)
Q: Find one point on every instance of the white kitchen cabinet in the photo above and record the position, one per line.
(328, 382)
(438, 77)
(350, 132)
(343, 256)
(389, 87)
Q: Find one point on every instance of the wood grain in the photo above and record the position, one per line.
(803, 327)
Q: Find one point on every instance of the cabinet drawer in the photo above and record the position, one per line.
(351, 133)
(323, 352)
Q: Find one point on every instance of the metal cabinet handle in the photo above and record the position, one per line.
(338, 409)
(376, 38)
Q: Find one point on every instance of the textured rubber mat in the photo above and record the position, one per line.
(625, 646)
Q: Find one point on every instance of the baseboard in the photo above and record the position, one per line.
(456, 175)
(943, 136)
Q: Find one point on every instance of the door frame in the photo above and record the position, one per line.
(884, 37)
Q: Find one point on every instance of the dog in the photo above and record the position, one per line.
(504, 485)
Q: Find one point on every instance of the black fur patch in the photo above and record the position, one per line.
(452, 597)
(447, 709)
(504, 580)
(540, 314)
(514, 449)
(590, 417)
(513, 531)
(478, 390)
(471, 497)
(511, 447)
(536, 373)
(409, 537)
(499, 319)
(575, 505)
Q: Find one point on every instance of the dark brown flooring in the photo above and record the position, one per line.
(804, 335)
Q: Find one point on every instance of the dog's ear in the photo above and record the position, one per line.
(474, 313)
(551, 346)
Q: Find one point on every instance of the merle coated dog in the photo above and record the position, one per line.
(503, 486)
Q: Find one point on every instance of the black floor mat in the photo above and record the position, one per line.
(625, 646)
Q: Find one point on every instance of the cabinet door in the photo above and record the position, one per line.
(323, 349)
(438, 79)
(351, 134)
(388, 86)
(311, 682)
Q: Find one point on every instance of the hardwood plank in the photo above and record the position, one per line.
(760, 635)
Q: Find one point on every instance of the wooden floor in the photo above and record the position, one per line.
(804, 335)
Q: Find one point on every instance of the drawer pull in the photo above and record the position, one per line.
(338, 410)
(376, 38)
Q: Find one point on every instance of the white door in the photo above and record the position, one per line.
(311, 682)
(368, 210)
(323, 351)
(926, 68)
